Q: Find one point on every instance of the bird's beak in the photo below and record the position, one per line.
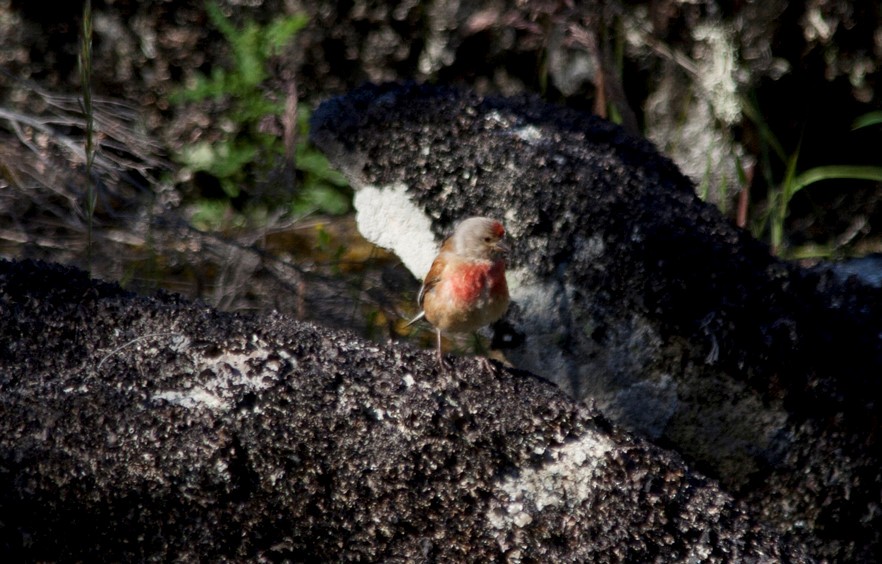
(502, 248)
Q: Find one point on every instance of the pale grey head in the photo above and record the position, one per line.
(479, 238)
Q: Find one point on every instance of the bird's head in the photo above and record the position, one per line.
(479, 238)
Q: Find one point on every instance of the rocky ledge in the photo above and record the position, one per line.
(631, 292)
(141, 428)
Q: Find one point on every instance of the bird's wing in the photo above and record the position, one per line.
(432, 279)
(421, 315)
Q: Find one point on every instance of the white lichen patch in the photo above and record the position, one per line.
(566, 480)
(387, 217)
(528, 133)
(197, 397)
(496, 118)
(231, 376)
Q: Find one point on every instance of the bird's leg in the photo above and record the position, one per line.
(488, 365)
(441, 362)
(482, 355)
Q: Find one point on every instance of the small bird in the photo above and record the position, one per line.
(466, 289)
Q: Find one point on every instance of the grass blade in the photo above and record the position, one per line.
(866, 120)
(836, 172)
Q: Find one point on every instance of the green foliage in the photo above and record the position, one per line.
(322, 188)
(210, 215)
(225, 160)
(325, 245)
(244, 151)
(868, 119)
(781, 191)
(252, 47)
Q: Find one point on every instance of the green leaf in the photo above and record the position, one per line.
(220, 21)
(280, 32)
(245, 151)
(250, 61)
(316, 163)
(209, 214)
(866, 120)
(781, 201)
(250, 110)
(742, 174)
(222, 159)
(836, 172)
(323, 198)
(754, 115)
(323, 239)
(230, 187)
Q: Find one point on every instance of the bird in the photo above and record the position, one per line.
(466, 288)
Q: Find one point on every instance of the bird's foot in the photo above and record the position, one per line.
(443, 363)
(489, 365)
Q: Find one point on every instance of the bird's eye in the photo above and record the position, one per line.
(488, 239)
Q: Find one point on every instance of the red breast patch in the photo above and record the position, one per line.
(471, 281)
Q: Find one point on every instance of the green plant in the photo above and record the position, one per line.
(243, 150)
(781, 192)
(866, 120)
(321, 187)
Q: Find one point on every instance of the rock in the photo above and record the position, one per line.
(156, 429)
(629, 290)
(868, 269)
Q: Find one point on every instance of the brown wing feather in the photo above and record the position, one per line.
(432, 279)
(434, 275)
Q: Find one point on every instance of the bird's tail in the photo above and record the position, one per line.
(421, 315)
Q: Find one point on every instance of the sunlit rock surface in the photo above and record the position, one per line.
(156, 429)
(630, 292)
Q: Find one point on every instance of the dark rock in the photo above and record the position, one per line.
(629, 290)
(152, 428)
(868, 269)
